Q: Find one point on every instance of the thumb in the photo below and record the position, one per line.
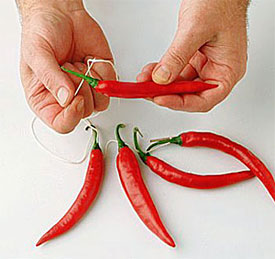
(45, 66)
(183, 47)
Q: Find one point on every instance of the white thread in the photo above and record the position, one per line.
(57, 156)
(90, 63)
(107, 145)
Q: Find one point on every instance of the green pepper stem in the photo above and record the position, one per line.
(120, 142)
(96, 142)
(142, 154)
(91, 81)
(173, 140)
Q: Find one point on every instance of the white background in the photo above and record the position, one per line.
(36, 189)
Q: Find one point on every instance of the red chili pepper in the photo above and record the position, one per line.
(84, 199)
(174, 175)
(136, 191)
(211, 140)
(142, 89)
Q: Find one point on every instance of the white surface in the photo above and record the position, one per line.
(35, 189)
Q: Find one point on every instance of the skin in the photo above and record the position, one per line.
(54, 33)
(210, 45)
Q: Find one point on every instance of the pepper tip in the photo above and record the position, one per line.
(136, 130)
(40, 242)
(121, 125)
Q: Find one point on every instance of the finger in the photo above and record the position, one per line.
(44, 65)
(144, 77)
(84, 90)
(201, 102)
(146, 73)
(102, 71)
(68, 118)
(149, 67)
(210, 98)
(101, 102)
(189, 73)
(45, 106)
(29, 81)
(63, 120)
(105, 70)
(198, 61)
(183, 47)
(174, 102)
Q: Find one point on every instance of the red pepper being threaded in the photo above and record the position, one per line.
(142, 89)
(84, 199)
(211, 140)
(136, 191)
(174, 175)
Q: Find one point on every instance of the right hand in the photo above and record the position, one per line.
(61, 33)
(210, 45)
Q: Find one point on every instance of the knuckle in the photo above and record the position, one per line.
(88, 111)
(62, 129)
(207, 108)
(177, 56)
(47, 80)
(103, 105)
(35, 100)
(80, 66)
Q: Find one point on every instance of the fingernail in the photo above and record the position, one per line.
(80, 106)
(62, 95)
(162, 74)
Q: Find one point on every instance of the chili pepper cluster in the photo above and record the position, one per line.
(135, 189)
(128, 167)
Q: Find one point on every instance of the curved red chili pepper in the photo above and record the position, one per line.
(211, 140)
(85, 198)
(174, 175)
(142, 89)
(136, 191)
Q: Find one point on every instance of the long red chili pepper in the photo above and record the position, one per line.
(136, 191)
(174, 175)
(84, 199)
(211, 140)
(142, 89)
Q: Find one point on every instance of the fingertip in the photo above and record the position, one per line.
(174, 102)
(149, 67)
(162, 75)
(65, 93)
(143, 77)
(67, 120)
(101, 101)
(102, 106)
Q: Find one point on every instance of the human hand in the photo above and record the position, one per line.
(58, 33)
(210, 45)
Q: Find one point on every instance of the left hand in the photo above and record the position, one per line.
(58, 33)
(211, 46)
